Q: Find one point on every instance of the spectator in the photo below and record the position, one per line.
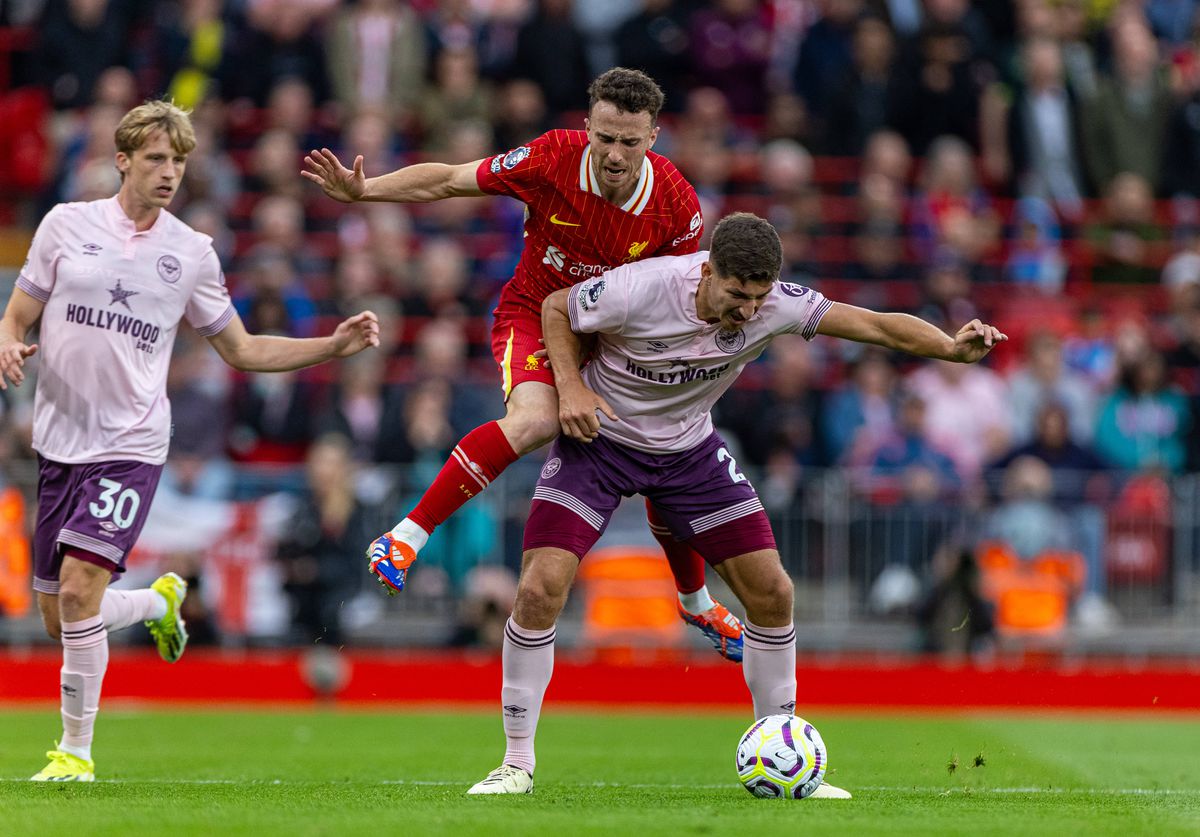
(211, 175)
(937, 92)
(189, 43)
(1035, 259)
(366, 411)
(278, 222)
(1125, 122)
(377, 59)
(274, 162)
(1144, 423)
(907, 461)
(562, 71)
(272, 278)
(457, 95)
(1044, 379)
(1027, 519)
(951, 211)
(878, 258)
(655, 41)
(321, 545)
(1043, 133)
(77, 40)
(946, 292)
(967, 413)
(278, 41)
(831, 48)
(730, 44)
(1123, 241)
(861, 100)
(861, 413)
(520, 113)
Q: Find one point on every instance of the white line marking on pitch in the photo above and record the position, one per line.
(652, 786)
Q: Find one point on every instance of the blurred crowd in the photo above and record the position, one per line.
(1035, 163)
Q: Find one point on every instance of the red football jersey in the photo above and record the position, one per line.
(571, 232)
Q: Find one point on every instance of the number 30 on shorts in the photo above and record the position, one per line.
(121, 505)
(735, 475)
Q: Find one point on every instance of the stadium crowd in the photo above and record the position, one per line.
(1036, 162)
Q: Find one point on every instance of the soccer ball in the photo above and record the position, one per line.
(781, 757)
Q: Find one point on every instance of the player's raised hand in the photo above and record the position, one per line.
(577, 408)
(355, 334)
(975, 340)
(340, 183)
(12, 359)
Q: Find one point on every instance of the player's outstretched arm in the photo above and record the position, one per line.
(22, 312)
(913, 335)
(421, 183)
(267, 353)
(577, 404)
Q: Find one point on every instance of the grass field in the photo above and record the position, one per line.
(285, 772)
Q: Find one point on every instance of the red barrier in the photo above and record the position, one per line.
(215, 677)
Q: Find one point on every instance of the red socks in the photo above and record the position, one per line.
(479, 458)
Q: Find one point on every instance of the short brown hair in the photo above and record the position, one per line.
(632, 91)
(157, 114)
(746, 247)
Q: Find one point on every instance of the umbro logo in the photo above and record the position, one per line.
(789, 707)
(514, 711)
(92, 249)
(656, 345)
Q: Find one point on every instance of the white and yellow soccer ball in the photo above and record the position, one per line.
(781, 757)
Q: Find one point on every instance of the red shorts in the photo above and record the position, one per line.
(516, 336)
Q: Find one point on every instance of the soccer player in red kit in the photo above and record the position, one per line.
(595, 199)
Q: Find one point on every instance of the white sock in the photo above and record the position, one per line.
(411, 534)
(697, 601)
(528, 663)
(769, 664)
(122, 608)
(85, 659)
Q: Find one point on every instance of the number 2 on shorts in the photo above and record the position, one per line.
(734, 474)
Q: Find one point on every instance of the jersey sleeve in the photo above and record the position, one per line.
(39, 272)
(687, 227)
(519, 172)
(209, 310)
(601, 304)
(800, 309)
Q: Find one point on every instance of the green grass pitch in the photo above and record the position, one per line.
(404, 772)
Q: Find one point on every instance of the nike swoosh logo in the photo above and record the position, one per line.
(554, 220)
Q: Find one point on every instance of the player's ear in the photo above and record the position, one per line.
(123, 162)
(653, 136)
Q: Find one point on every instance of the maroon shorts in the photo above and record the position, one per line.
(699, 493)
(97, 507)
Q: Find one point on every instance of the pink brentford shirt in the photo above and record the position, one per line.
(660, 367)
(113, 301)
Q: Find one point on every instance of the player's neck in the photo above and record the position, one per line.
(618, 197)
(703, 312)
(142, 215)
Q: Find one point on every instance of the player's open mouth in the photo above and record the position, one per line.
(614, 174)
(164, 191)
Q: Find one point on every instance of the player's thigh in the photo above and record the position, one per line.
(95, 509)
(578, 490)
(516, 340)
(704, 499)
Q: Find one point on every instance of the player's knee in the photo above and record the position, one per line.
(770, 600)
(540, 599)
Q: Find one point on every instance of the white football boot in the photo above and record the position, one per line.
(505, 779)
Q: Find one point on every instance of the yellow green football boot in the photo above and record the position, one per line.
(169, 633)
